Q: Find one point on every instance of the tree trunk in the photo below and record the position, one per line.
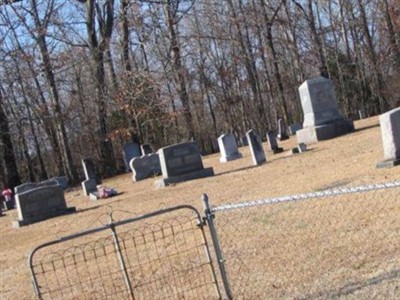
(50, 79)
(179, 70)
(11, 171)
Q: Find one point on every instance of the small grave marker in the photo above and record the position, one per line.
(256, 148)
(228, 148)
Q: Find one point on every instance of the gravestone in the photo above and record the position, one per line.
(282, 130)
(39, 204)
(146, 149)
(145, 166)
(130, 151)
(390, 131)
(361, 114)
(32, 185)
(293, 128)
(62, 181)
(24, 187)
(256, 148)
(181, 162)
(244, 141)
(273, 143)
(89, 186)
(322, 119)
(302, 147)
(228, 148)
(89, 168)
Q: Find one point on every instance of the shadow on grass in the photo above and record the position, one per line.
(367, 127)
(89, 208)
(352, 287)
(238, 170)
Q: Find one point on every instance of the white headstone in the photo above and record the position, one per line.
(390, 130)
(322, 119)
(228, 148)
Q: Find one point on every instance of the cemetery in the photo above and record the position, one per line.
(223, 150)
(347, 160)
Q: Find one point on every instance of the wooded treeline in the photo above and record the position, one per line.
(81, 78)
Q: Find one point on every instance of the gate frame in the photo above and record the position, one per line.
(112, 226)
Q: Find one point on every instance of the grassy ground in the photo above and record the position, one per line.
(345, 161)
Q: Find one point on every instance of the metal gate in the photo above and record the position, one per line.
(161, 255)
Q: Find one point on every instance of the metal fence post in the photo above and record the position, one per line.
(121, 261)
(214, 236)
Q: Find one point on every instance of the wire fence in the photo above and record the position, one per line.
(340, 243)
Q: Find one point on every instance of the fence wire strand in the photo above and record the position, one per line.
(340, 243)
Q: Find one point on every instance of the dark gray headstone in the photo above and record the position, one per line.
(293, 128)
(24, 187)
(302, 147)
(39, 204)
(228, 148)
(89, 186)
(273, 143)
(361, 114)
(90, 170)
(322, 119)
(146, 149)
(130, 151)
(282, 130)
(244, 141)
(256, 148)
(62, 181)
(181, 162)
(390, 131)
(33, 185)
(145, 166)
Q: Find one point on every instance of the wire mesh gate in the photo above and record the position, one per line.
(140, 258)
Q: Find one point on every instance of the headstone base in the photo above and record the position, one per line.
(94, 196)
(18, 223)
(230, 157)
(282, 137)
(277, 150)
(388, 163)
(313, 134)
(186, 177)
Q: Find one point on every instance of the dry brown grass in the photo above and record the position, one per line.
(348, 160)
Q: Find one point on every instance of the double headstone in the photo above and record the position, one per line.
(145, 166)
(282, 130)
(390, 130)
(181, 162)
(322, 119)
(130, 151)
(228, 148)
(256, 148)
(273, 143)
(40, 203)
